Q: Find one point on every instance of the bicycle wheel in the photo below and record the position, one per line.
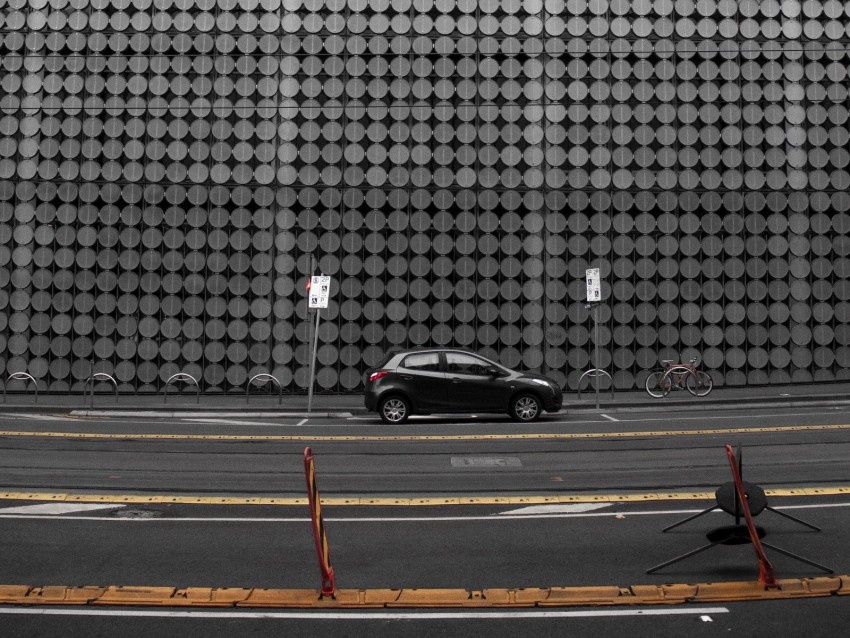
(658, 384)
(699, 384)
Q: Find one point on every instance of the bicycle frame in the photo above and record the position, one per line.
(678, 374)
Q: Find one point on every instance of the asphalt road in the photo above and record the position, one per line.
(440, 544)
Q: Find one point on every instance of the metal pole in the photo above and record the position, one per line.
(313, 363)
(596, 349)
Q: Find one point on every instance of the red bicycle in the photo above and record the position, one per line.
(679, 376)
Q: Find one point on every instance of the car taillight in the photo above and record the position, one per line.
(377, 375)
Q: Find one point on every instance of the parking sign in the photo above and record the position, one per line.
(594, 291)
(320, 291)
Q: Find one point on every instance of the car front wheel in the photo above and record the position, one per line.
(525, 407)
(394, 410)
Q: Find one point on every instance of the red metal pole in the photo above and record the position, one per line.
(766, 574)
(319, 533)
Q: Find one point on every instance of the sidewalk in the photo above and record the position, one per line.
(811, 395)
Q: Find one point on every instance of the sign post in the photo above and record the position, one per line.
(594, 296)
(318, 294)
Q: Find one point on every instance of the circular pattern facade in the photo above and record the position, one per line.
(172, 171)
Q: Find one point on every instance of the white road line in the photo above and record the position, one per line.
(42, 417)
(563, 508)
(55, 509)
(234, 422)
(622, 513)
(359, 615)
(375, 421)
(302, 422)
(668, 418)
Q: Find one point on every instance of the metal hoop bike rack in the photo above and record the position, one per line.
(100, 376)
(20, 376)
(267, 377)
(182, 376)
(595, 373)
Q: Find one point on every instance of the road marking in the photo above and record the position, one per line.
(302, 421)
(716, 417)
(42, 417)
(361, 615)
(567, 508)
(235, 422)
(610, 418)
(429, 437)
(619, 514)
(54, 509)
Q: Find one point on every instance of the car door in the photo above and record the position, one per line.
(471, 384)
(421, 378)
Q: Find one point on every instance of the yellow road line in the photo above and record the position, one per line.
(524, 597)
(425, 437)
(431, 501)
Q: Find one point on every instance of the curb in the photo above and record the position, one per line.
(583, 405)
(400, 501)
(670, 594)
(224, 412)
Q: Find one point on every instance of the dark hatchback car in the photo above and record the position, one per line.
(441, 380)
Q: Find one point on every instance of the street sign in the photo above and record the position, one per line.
(594, 290)
(319, 291)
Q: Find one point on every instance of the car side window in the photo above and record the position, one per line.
(465, 364)
(425, 362)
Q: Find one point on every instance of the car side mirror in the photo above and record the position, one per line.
(494, 372)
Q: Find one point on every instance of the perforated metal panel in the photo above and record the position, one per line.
(170, 169)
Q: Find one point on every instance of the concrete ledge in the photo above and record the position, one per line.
(606, 595)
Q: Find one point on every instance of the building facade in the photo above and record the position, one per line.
(172, 171)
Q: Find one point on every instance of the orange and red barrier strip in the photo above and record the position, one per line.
(766, 574)
(319, 533)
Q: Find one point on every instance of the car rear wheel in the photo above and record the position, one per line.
(525, 407)
(394, 410)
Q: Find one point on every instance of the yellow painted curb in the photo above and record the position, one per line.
(432, 501)
(556, 436)
(670, 594)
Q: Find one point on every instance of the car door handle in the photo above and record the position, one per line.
(406, 377)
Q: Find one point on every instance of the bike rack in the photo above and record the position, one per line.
(100, 376)
(267, 377)
(594, 373)
(20, 376)
(182, 376)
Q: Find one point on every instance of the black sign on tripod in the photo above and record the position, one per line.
(728, 499)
